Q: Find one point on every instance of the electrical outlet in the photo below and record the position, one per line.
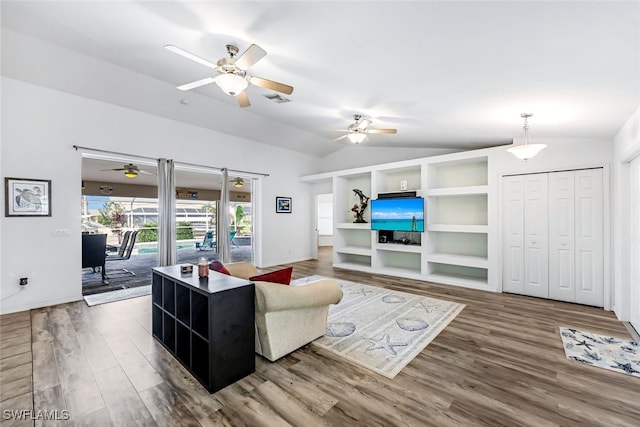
(24, 281)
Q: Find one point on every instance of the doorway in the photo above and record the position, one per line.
(324, 220)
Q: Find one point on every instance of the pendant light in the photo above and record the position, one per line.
(526, 150)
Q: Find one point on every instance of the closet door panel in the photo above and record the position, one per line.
(589, 237)
(561, 237)
(513, 231)
(536, 229)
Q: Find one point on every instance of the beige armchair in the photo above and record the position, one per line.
(288, 317)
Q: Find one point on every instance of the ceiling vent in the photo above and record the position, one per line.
(277, 98)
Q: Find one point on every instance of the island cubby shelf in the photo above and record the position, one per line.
(206, 324)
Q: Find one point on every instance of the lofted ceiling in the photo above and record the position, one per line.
(448, 74)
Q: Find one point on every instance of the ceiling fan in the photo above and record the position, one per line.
(358, 130)
(233, 78)
(130, 170)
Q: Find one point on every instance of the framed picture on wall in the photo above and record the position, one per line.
(27, 197)
(283, 204)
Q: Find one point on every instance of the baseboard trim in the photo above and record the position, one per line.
(634, 334)
(38, 304)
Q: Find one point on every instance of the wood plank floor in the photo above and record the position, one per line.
(499, 363)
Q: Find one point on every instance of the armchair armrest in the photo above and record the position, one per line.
(272, 297)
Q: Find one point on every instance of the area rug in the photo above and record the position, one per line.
(381, 329)
(605, 352)
(118, 295)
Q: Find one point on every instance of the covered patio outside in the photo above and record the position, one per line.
(141, 263)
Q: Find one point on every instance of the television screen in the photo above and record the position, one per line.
(398, 214)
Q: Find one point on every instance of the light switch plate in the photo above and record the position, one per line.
(60, 232)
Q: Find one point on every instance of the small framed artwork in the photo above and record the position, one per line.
(27, 197)
(283, 204)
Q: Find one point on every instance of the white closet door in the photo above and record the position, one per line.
(634, 256)
(513, 234)
(561, 237)
(589, 237)
(536, 229)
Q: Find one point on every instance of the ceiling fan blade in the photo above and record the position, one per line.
(363, 124)
(338, 139)
(109, 170)
(270, 84)
(196, 84)
(145, 172)
(250, 56)
(190, 55)
(386, 131)
(243, 99)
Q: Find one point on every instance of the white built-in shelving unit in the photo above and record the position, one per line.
(454, 247)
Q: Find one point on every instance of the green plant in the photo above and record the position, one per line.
(148, 232)
(237, 215)
(184, 230)
(112, 215)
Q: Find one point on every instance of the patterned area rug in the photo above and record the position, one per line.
(381, 329)
(120, 295)
(610, 353)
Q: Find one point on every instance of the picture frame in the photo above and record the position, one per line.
(283, 204)
(27, 197)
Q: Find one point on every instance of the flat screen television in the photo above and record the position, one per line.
(399, 214)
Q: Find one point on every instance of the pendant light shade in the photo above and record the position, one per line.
(526, 150)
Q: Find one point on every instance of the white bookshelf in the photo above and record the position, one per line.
(453, 250)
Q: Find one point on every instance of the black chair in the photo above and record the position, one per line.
(123, 245)
(94, 247)
(126, 254)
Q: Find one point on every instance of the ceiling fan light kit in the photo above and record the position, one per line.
(527, 149)
(238, 182)
(357, 137)
(231, 84)
(130, 173)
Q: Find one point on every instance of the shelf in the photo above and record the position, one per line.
(398, 247)
(464, 260)
(353, 266)
(462, 281)
(458, 191)
(354, 226)
(413, 273)
(355, 250)
(458, 228)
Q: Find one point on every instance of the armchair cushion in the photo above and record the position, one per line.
(282, 277)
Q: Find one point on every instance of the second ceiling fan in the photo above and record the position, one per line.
(233, 78)
(358, 130)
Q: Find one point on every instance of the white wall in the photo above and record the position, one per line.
(39, 127)
(626, 146)
(362, 155)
